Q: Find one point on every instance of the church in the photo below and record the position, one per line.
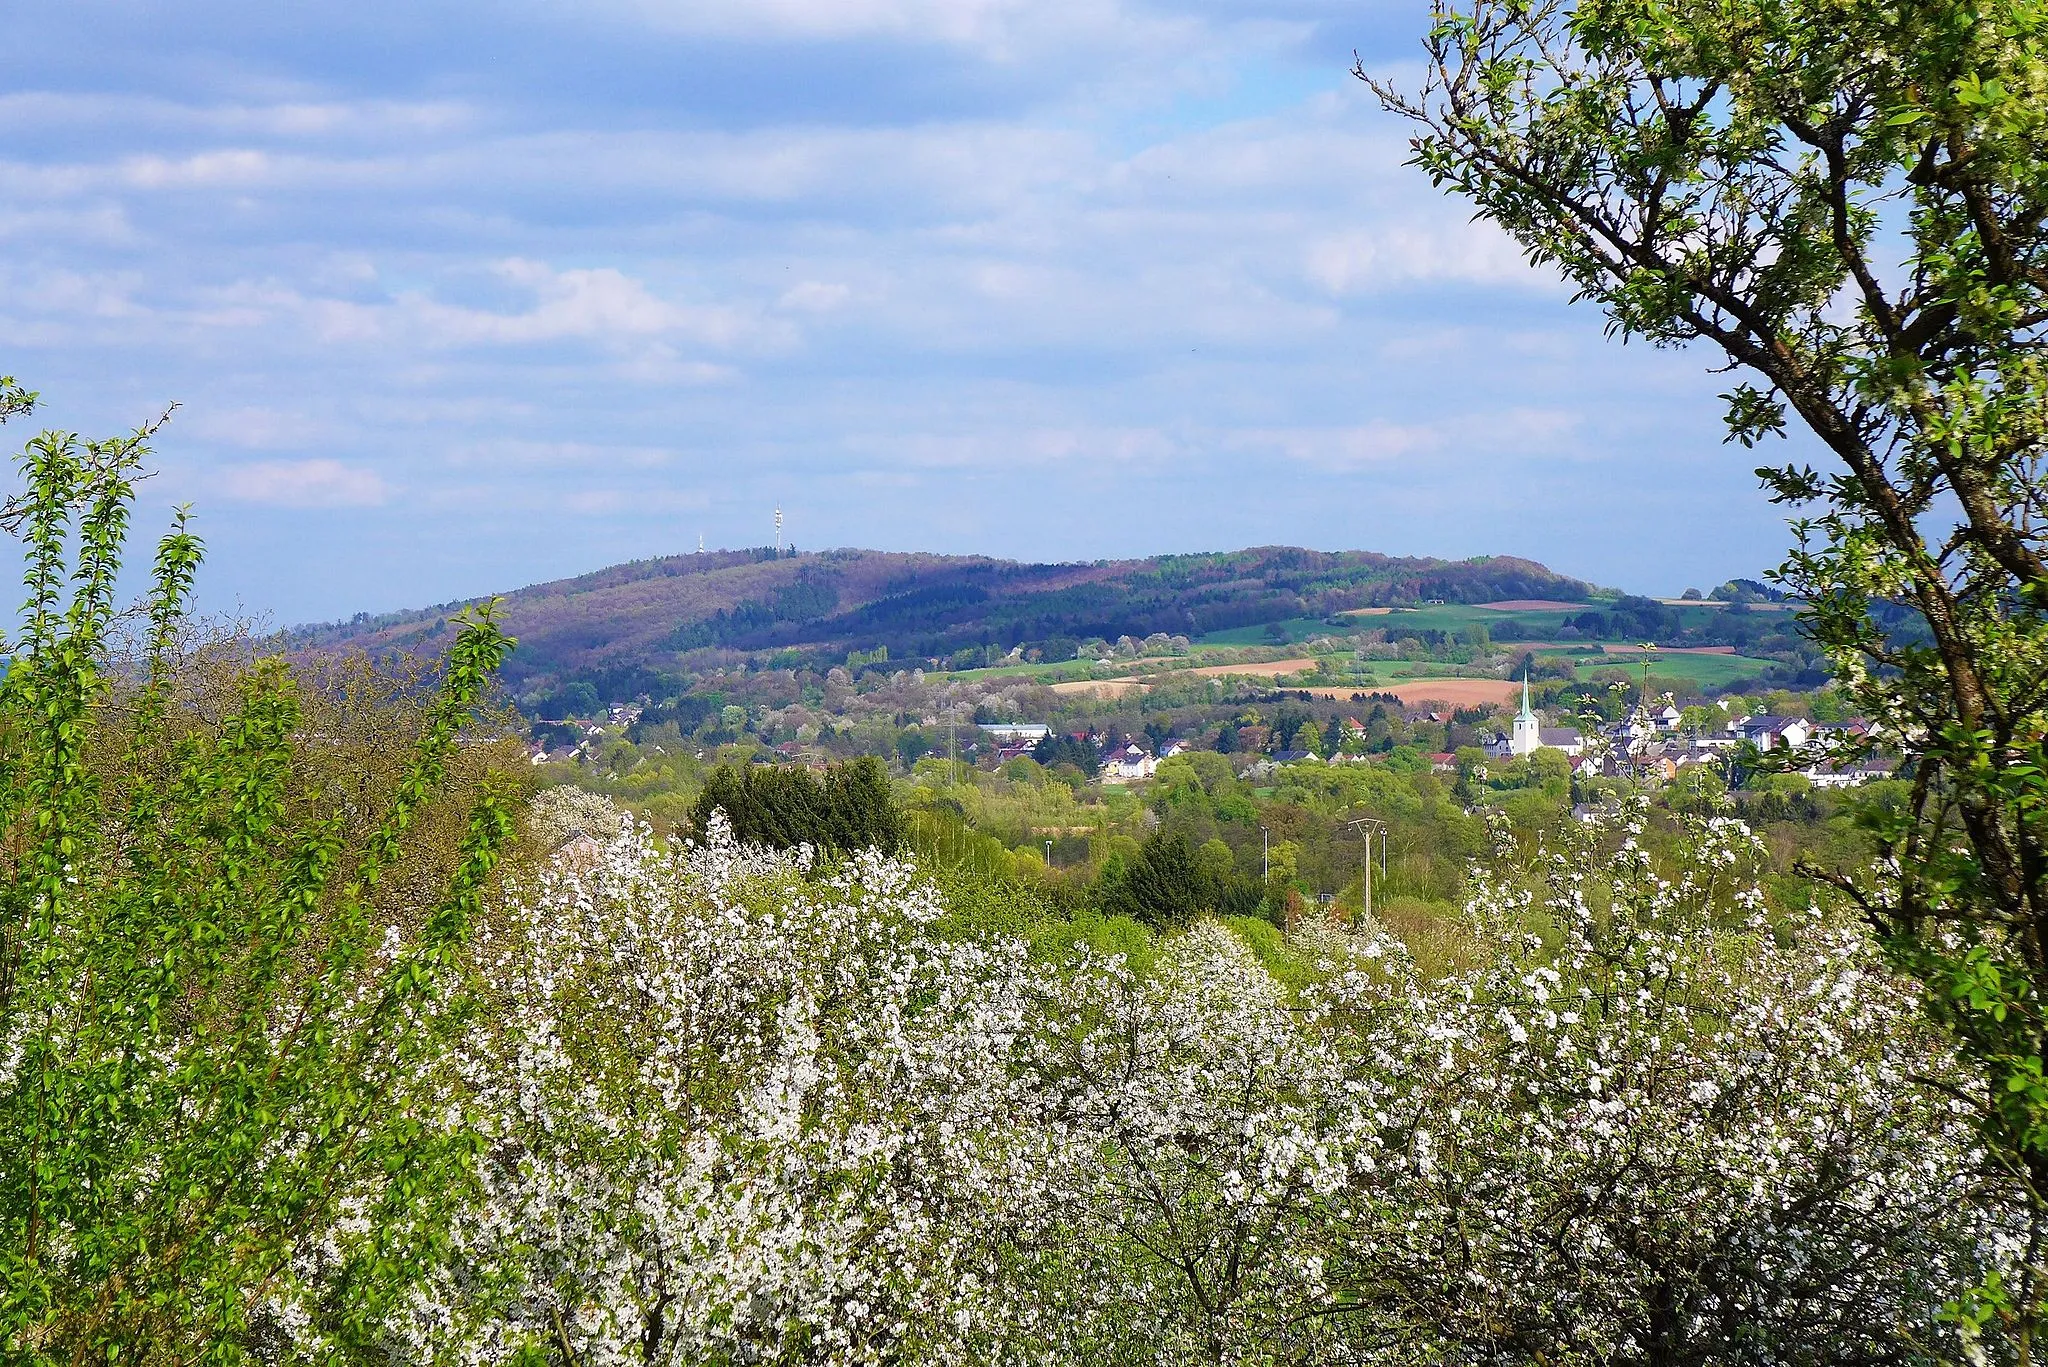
(1528, 734)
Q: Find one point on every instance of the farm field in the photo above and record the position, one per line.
(1703, 669)
(1456, 692)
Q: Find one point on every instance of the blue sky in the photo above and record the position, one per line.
(457, 297)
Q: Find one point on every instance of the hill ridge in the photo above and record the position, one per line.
(669, 614)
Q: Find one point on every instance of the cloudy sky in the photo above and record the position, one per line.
(460, 296)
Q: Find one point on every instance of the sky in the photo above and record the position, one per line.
(456, 297)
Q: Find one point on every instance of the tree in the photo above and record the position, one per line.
(557, 813)
(741, 1115)
(1668, 1132)
(223, 998)
(1056, 750)
(1165, 885)
(1850, 202)
(782, 806)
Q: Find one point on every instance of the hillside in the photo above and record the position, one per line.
(625, 627)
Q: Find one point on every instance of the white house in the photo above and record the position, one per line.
(1128, 765)
(1767, 732)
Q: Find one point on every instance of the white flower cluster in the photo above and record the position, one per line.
(740, 1111)
(735, 1114)
(1659, 1128)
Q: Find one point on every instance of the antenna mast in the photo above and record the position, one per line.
(778, 531)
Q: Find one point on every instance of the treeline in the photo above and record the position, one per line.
(847, 808)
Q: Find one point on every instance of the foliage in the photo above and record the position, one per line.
(850, 808)
(1164, 886)
(219, 1002)
(735, 1114)
(738, 1111)
(1850, 202)
(1682, 1135)
(556, 814)
(1056, 750)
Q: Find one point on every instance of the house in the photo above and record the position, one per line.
(1128, 765)
(1174, 747)
(1767, 732)
(1660, 768)
(1852, 774)
(1667, 720)
(1293, 756)
(1443, 762)
(1563, 738)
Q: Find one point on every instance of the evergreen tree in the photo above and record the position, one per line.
(782, 806)
(1165, 885)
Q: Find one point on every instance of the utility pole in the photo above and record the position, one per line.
(1371, 825)
(1266, 857)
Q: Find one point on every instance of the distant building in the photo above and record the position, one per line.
(1128, 765)
(1767, 732)
(1527, 736)
(1012, 733)
(1852, 774)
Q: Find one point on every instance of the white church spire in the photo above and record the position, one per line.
(1527, 734)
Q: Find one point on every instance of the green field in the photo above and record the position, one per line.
(1297, 629)
(1705, 671)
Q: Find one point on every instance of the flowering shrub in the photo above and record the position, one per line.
(738, 1107)
(1202, 1124)
(1657, 1128)
(736, 1113)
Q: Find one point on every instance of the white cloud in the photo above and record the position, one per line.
(303, 484)
(598, 303)
(1002, 451)
(815, 296)
(996, 29)
(255, 428)
(1342, 448)
(1391, 255)
(1380, 444)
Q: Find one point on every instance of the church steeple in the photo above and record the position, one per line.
(1527, 734)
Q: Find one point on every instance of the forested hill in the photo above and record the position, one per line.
(681, 611)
